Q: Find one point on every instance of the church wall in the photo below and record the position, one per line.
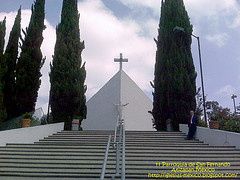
(136, 112)
(101, 108)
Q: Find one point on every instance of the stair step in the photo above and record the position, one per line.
(25, 176)
(106, 137)
(96, 150)
(111, 166)
(112, 132)
(79, 147)
(112, 154)
(127, 141)
(80, 155)
(132, 162)
(90, 171)
(131, 136)
(137, 158)
(127, 144)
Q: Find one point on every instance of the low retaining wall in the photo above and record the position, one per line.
(215, 137)
(29, 135)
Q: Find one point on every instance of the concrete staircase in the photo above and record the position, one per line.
(80, 154)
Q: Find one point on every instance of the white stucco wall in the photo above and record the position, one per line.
(101, 108)
(102, 111)
(215, 137)
(29, 135)
(136, 112)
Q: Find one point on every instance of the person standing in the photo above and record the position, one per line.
(192, 126)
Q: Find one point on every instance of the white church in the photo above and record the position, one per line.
(120, 96)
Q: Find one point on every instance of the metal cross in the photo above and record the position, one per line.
(120, 60)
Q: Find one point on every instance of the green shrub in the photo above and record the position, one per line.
(232, 125)
(35, 122)
(17, 123)
(202, 123)
(27, 116)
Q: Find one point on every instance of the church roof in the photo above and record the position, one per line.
(103, 106)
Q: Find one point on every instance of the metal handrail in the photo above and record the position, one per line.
(123, 152)
(119, 145)
(105, 159)
(115, 132)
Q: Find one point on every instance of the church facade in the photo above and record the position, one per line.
(120, 96)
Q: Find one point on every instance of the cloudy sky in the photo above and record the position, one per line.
(110, 27)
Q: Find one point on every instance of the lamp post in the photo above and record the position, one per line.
(234, 103)
(181, 29)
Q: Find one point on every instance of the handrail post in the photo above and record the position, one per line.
(115, 132)
(117, 159)
(123, 152)
(105, 159)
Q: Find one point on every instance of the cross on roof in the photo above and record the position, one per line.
(120, 60)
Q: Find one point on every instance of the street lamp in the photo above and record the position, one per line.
(181, 29)
(234, 103)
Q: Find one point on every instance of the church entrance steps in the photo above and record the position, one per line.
(130, 158)
(83, 163)
(130, 137)
(151, 143)
(99, 165)
(87, 174)
(25, 177)
(52, 146)
(111, 170)
(79, 155)
(172, 144)
(52, 161)
(127, 141)
(77, 147)
(111, 153)
(96, 132)
(81, 171)
(134, 151)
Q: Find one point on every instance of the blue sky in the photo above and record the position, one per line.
(109, 27)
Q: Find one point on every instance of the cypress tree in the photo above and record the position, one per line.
(175, 76)
(67, 77)
(2, 35)
(11, 55)
(2, 68)
(30, 61)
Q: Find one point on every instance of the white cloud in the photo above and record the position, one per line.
(10, 17)
(150, 27)
(205, 8)
(236, 21)
(47, 50)
(216, 13)
(155, 5)
(197, 8)
(105, 37)
(226, 91)
(218, 39)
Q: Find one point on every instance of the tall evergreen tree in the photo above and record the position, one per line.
(175, 76)
(11, 55)
(30, 61)
(2, 68)
(2, 35)
(67, 77)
